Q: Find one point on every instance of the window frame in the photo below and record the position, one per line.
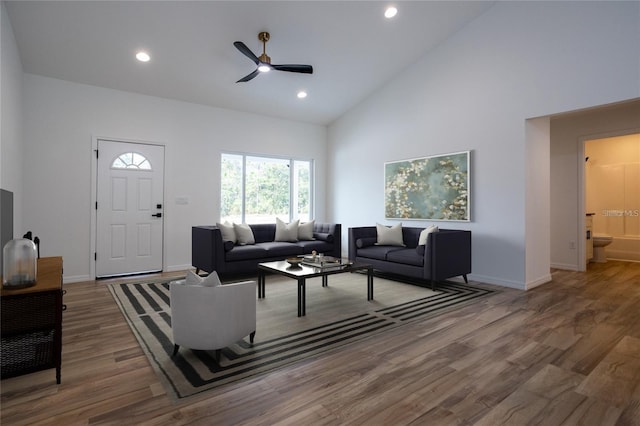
(132, 165)
(293, 215)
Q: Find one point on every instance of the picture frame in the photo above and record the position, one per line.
(429, 188)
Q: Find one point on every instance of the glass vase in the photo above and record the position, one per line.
(20, 260)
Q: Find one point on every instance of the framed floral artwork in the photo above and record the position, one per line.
(428, 188)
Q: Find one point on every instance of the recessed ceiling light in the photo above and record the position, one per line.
(390, 12)
(302, 94)
(143, 56)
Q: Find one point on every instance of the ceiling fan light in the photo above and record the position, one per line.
(143, 56)
(264, 68)
(302, 94)
(390, 12)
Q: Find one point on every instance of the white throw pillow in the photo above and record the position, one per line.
(286, 232)
(228, 232)
(424, 235)
(305, 230)
(212, 280)
(390, 236)
(244, 234)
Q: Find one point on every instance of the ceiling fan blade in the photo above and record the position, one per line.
(245, 51)
(306, 69)
(248, 76)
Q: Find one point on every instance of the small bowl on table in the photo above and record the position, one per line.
(294, 261)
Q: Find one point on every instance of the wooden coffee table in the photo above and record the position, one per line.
(302, 272)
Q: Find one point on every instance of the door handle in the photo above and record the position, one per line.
(157, 215)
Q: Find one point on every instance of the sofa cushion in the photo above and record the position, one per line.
(407, 256)
(378, 252)
(389, 236)
(317, 245)
(305, 231)
(286, 231)
(365, 242)
(228, 245)
(323, 236)
(228, 232)
(244, 234)
(281, 249)
(246, 252)
(263, 232)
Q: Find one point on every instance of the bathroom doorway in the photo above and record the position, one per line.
(612, 194)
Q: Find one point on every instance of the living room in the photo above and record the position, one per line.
(498, 88)
(418, 113)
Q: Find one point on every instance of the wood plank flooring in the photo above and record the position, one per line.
(565, 353)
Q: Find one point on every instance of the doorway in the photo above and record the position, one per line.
(129, 208)
(612, 193)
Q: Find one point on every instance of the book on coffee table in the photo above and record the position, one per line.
(323, 262)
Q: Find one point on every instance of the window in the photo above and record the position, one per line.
(131, 160)
(258, 189)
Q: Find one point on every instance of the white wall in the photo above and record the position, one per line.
(517, 61)
(63, 118)
(11, 158)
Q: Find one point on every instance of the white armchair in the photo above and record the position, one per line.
(211, 317)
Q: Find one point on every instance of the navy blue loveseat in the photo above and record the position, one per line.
(447, 253)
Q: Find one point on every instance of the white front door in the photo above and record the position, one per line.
(129, 220)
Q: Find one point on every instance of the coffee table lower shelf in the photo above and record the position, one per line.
(303, 272)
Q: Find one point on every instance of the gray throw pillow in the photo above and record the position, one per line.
(305, 231)
(244, 233)
(390, 236)
(211, 280)
(228, 232)
(424, 238)
(286, 232)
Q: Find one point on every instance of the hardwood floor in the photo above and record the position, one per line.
(565, 353)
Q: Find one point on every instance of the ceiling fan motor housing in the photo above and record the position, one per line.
(264, 38)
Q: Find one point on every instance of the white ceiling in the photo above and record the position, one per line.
(354, 50)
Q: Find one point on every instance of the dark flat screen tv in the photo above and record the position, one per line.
(6, 220)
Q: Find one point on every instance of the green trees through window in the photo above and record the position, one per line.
(258, 189)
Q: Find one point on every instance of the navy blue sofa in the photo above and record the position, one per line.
(210, 253)
(447, 253)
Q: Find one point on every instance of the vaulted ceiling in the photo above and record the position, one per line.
(352, 47)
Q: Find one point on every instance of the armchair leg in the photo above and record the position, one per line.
(251, 336)
(175, 349)
(465, 278)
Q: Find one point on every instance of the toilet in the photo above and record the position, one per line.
(600, 241)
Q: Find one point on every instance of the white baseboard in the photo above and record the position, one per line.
(76, 279)
(497, 281)
(538, 282)
(175, 268)
(565, 266)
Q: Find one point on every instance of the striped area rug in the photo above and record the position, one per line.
(336, 315)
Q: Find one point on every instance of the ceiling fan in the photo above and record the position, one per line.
(264, 62)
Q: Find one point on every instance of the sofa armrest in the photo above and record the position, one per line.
(331, 233)
(357, 233)
(207, 249)
(448, 254)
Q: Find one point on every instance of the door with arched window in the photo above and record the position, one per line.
(130, 206)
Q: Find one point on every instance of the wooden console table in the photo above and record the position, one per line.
(32, 323)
